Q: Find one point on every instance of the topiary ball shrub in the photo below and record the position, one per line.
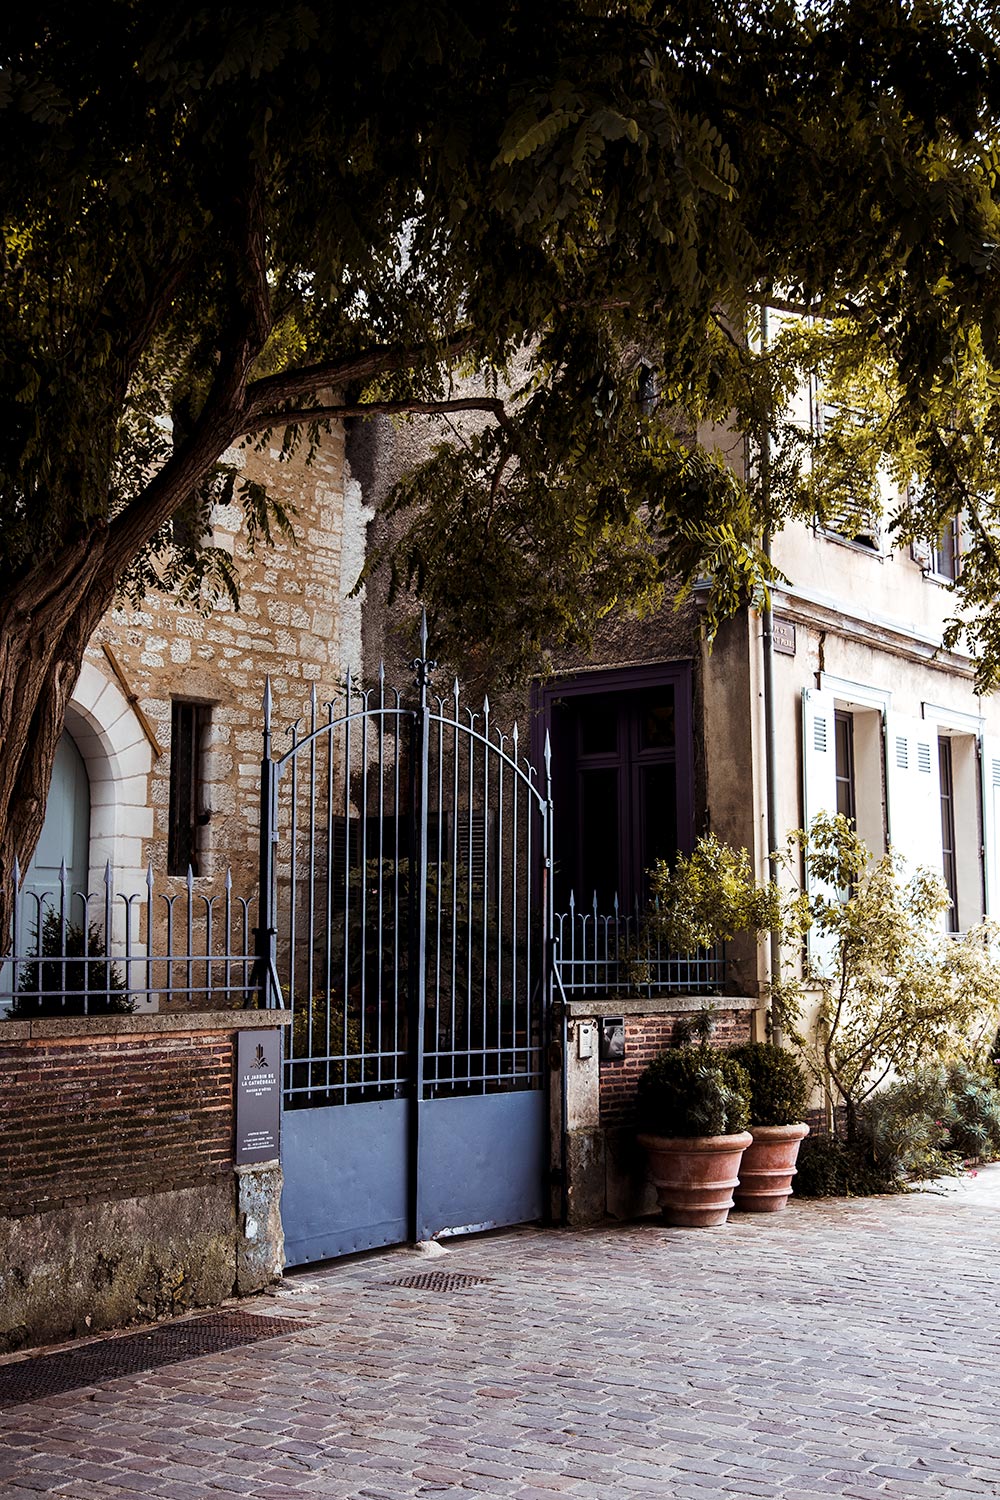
(690, 1091)
(779, 1091)
(70, 975)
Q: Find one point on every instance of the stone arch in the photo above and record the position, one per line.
(118, 758)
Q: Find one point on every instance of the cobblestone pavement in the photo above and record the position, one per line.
(839, 1349)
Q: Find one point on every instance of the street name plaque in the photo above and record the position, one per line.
(258, 1096)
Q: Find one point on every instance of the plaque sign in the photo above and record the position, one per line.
(783, 636)
(258, 1096)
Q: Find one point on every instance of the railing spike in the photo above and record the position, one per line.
(17, 873)
(423, 634)
(268, 702)
(547, 753)
(486, 705)
(108, 877)
(229, 879)
(190, 880)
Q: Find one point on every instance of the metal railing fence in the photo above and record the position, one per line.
(619, 953)
(74, 952)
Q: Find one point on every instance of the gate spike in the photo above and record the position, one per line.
(107, 873)
(17, 873)
(149, 877)
(547, 754)
(423, 634)
(267, 704)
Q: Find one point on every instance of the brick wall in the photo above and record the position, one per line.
(110, 1117)
(645, 1036)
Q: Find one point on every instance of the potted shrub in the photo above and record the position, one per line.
(778, 1096)
(693, 1109)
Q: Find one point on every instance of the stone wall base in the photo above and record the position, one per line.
(77, 1270)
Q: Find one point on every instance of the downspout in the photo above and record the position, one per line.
(770, 742)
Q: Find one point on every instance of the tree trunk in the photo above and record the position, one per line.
(45, 624)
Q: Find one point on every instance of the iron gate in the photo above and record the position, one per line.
(405, 859)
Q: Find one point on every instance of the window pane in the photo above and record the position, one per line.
(599, 815)
(658, 797)
(598, 726)
(844, 732)
(656, 719)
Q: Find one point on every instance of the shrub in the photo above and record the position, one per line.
(70, 975)
(905, 1126)
(695, 1090)
(779, 1091)
(832, 1168)
(974, 1126)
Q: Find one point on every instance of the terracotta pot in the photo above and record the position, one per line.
(695, 1176)
(768, 1167)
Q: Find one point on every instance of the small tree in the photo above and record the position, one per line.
(896, 992)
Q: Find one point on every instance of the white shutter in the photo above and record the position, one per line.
(990, 766)
(913, 778)
(819, 753)
(819, 795)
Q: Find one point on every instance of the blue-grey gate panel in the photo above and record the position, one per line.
(345, 1179)
(481, 1161)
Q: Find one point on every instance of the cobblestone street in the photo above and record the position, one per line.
(845, 1348)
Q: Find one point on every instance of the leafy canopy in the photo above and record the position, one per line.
(250, 219)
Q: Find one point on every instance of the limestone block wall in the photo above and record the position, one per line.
(294, 624)
(119, 1201)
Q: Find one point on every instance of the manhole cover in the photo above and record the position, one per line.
(438, 1281)
(169, 1343)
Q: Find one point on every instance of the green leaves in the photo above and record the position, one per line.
(212, 193)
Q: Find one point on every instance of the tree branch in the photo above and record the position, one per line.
(295, 416)
(291, 385)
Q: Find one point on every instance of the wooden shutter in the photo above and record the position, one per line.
(819, 795)
(913, 781)
(989, 751)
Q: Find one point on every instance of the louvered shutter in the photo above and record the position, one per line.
(819, 795)
(990, 765)
(914, 791)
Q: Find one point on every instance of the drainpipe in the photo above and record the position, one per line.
(767, 641)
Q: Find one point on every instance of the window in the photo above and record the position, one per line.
(946, 551)
(621, 769)
(188, 815)
(844, 766)
(948, 854)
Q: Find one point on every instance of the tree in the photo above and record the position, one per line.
(220, 223)
(895, 993)
(899, 993)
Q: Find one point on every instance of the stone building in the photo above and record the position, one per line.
(652, 739)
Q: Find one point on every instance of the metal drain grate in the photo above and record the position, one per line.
(438, 1281)
(52, 1374)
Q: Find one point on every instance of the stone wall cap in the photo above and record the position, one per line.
(142, 1023)
(659, 1005)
